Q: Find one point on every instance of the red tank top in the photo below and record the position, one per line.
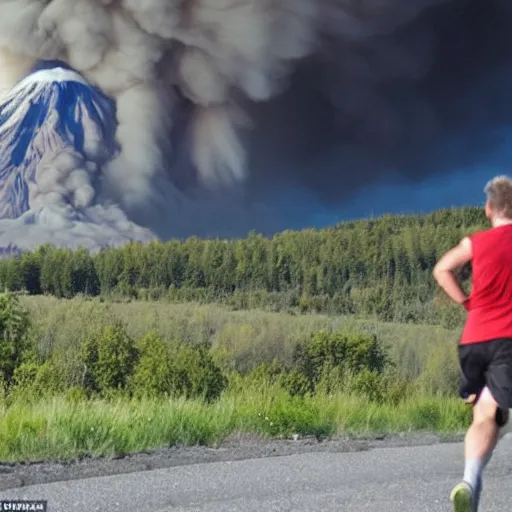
(490, 301)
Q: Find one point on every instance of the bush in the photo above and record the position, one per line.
(35, 380)
(194, 372)
(328, 357)
(296, 383)
(153, 373)
(398, 389)
(449, 314)
(175, 370)
(441, 373)
(266, 373)
(75, 395)
(109, 360)
(14, 336)
(370, 385)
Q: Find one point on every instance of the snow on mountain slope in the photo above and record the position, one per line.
(56, 133)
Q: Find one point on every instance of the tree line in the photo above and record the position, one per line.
(376, 266)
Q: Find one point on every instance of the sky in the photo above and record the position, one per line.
(396, 196)
(405, 108)
(459, 189)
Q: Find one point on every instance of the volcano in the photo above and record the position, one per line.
(57, 132)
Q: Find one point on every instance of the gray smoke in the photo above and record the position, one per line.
(221, 101)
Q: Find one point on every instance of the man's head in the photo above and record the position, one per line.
(499, 198)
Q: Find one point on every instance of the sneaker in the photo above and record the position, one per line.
(462, 498)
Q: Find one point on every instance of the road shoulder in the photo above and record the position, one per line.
(235, 448)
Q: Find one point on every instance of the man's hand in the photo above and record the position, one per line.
(443, 271)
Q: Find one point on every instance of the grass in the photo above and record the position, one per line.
(58, 428)
(61, 427)
(241, 340)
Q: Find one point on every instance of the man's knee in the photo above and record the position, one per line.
(485, 408)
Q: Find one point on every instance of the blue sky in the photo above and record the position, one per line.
(455, 189)
(461, 187)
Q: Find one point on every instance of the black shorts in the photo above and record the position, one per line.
(487, 364)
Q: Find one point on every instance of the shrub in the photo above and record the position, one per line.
(441, 372)
(327, 357)
(109, 360)
(36, 380)
(296, 383)
(14, 336)
(25, 374)
(194, 372)
(370, 385)
(266, 372)
(75, 395)
(153, 373)
(176, 369)
(397, 389)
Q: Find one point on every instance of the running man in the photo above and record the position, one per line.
(485, 348)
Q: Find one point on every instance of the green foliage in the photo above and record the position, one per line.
(440, 375)
(14, 336)
(115, 365)
(243, 342)
(109, 360)
(369, 384)
(379, 267)
(267, 372)
(330, 356)
(152, 376)
(296, 383)
(175, 370)
(65, 428)
(25, 374)
(331, 362)
(157, 380)
(381, 388)
(450, 315)
(293, 415)
(76, 395)
(194, 372)
(34, 381)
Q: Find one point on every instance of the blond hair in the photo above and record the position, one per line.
(499, 195)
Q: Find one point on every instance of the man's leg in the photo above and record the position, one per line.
(482, 435)
(479, 444)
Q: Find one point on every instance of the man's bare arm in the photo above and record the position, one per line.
(444, 270)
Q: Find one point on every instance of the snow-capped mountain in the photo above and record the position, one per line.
(56, 133)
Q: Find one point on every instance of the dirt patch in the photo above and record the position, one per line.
(14, 475)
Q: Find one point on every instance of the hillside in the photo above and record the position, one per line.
(56, 133)
(376, 267)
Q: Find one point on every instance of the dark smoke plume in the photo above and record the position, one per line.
(222, 104)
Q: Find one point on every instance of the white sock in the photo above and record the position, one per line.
(473, 471)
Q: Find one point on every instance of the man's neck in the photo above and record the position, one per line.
(500, 221)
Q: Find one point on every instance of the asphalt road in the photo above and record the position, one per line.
(412, 479)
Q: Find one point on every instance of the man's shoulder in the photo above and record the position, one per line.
(489, 235)
(482, 233)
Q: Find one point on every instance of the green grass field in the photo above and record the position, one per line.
(242, 339)
(66, 426)
(62, 429)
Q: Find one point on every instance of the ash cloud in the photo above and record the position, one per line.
(428, 98)
(221, 104)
